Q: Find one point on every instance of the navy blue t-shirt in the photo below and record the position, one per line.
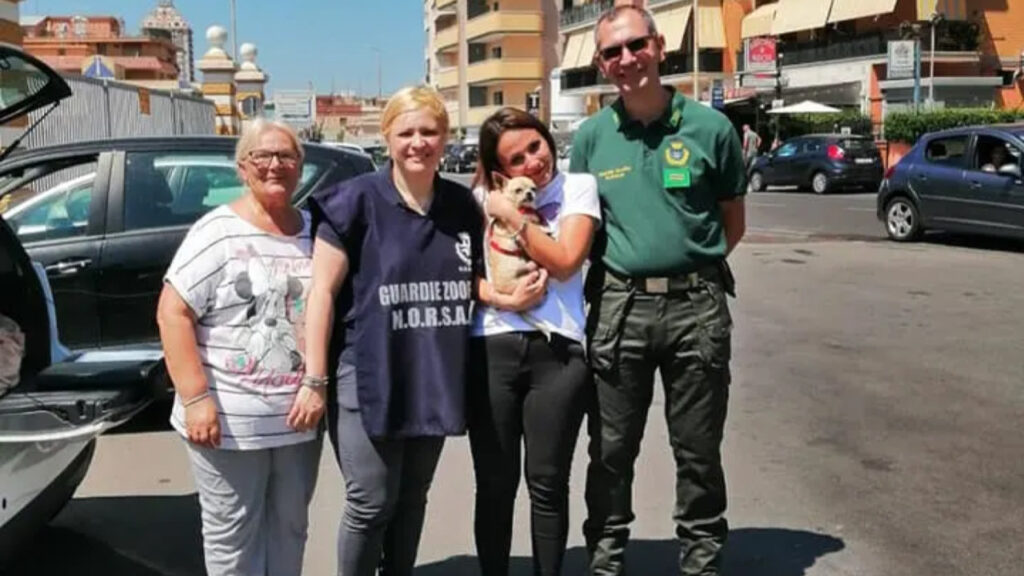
(404, 314)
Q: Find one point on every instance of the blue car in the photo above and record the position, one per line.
(964, 180)
(821, 162)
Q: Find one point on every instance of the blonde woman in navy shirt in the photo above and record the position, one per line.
(390, 311)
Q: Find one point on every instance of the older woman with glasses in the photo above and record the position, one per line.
(232, 316)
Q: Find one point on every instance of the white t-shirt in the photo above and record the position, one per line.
(248, 290)
(562, 309)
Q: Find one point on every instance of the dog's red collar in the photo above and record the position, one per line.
(504, 250)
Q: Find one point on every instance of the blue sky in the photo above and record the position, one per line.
(324, 42)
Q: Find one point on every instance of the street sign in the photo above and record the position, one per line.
(717, 95)
(901, 59)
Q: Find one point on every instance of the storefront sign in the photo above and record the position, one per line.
(760, 54)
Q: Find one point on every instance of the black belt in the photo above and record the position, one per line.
(664, 284)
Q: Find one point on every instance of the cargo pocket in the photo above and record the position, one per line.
(714, 327)
(604, 327)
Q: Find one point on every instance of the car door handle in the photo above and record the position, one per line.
(69, 266)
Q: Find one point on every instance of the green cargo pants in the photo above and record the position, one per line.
(686, 335)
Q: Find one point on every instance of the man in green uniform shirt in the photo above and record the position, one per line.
(671, 180)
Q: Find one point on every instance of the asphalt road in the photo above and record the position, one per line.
(874, 428)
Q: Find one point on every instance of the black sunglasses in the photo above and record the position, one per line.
(615, 52)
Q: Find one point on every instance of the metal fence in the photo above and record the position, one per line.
(101, 109)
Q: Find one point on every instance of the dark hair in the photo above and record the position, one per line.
(490, 133)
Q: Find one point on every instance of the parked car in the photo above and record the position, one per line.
(53, 404)
(960, 180)
(459, 158)
(351, 147)
(821, 162)
(105, 218)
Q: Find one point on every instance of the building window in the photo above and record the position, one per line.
(498, 98)
(477, 52)
(496, 52)
(477, 96)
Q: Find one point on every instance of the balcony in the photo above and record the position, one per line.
(445, 3)
(580, 16)
(447, 39)
(494, 24)
(505, 70)
(447, 77)
(874, 45)
(675, 64)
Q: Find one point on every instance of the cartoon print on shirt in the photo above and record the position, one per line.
(273, 302)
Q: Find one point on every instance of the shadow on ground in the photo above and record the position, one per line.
(975, 242)
(750, 552)
(137, 536)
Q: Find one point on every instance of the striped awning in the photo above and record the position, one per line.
(759, 22)
(571, 52)
(843, 10)
(950, 9)
(587, 50)
(712, 26)
(798, 15)
(672, 25)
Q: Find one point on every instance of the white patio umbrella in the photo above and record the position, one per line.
(805, 107)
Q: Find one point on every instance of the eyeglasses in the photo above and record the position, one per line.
(264, 158)
(615, 52)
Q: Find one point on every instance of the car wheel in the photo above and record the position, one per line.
(819, 183)
(902, 222)
(757, 182)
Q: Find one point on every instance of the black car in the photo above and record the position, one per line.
(960, 180)
(459, 158)
(821, 162)
(105, 218)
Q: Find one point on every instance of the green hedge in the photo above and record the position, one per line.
(909, 126)
(800, 124)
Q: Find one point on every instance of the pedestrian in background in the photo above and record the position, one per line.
(751, 145)
(231, 319)
(671, 178)
(530, 383)
(389, 317)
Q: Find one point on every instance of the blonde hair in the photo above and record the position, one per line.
(252, 134)
(413, 98)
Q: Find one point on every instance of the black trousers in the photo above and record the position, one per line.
(527, 391)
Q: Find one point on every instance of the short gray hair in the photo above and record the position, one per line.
(252, 133)
(613, 14)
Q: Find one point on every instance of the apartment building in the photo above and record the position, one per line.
(70, 44)
(836, 52)
(718, 47)
(482, 55)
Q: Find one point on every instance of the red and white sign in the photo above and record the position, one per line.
(760, 54)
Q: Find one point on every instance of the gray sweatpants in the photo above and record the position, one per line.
(386, 484)
(255, 507)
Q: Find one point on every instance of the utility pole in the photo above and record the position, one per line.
(234, 33)
(916, 27)
(696, 50)
(935, 19)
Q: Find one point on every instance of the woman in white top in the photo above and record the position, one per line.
(527, 388)
(231, 319)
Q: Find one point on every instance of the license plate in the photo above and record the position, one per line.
(864, 160)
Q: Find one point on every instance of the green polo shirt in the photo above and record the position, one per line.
(660, 185)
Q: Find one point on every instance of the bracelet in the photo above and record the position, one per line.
(195, 399)
(315, 382)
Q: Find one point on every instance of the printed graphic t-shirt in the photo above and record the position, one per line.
(248, 291)
(561, 311)
(404, 313)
